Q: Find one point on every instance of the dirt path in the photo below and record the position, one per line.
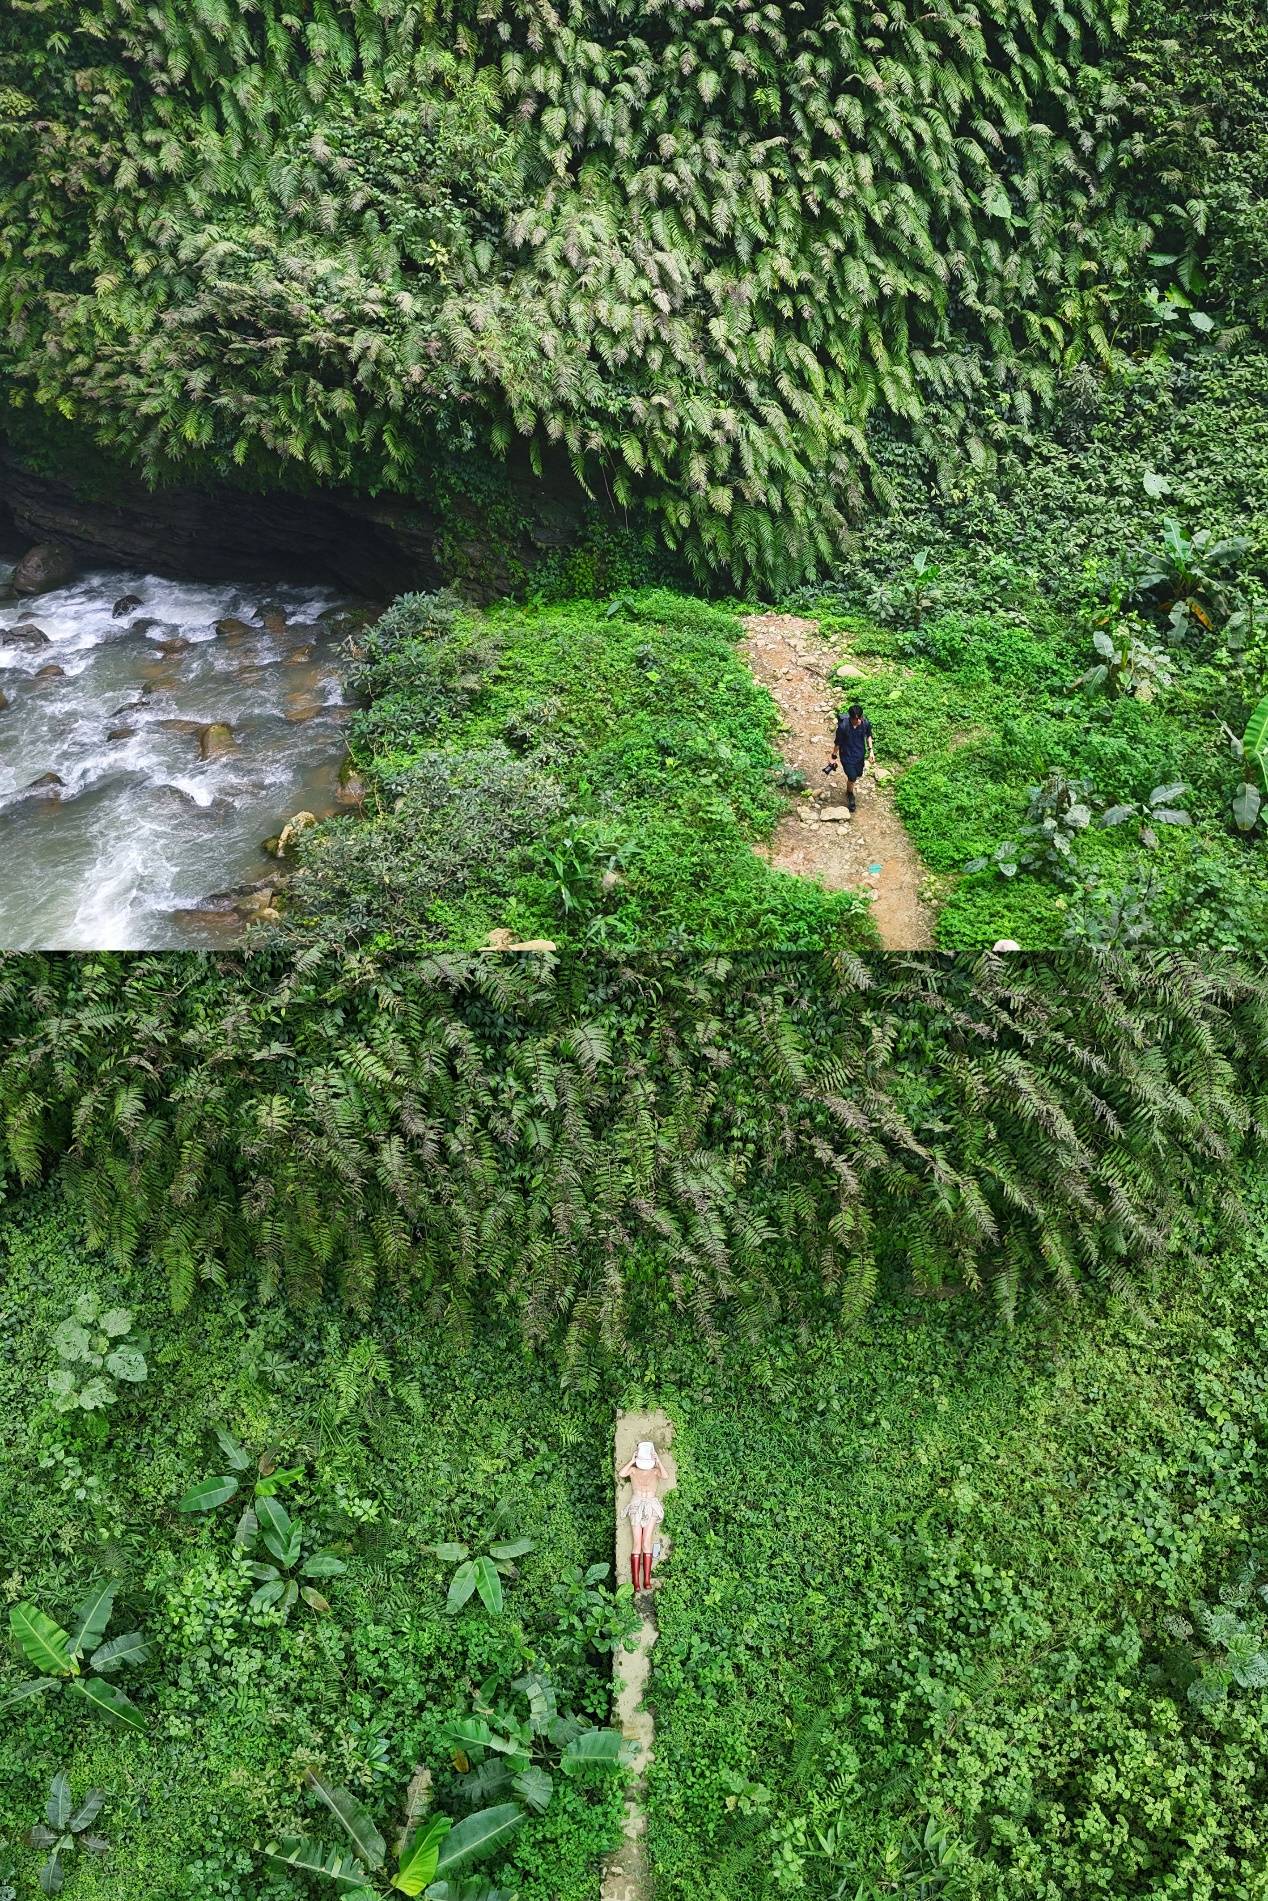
(819, 839)
(627, 1877)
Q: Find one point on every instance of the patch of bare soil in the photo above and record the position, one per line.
(868, 851)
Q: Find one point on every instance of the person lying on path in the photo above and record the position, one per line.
(853, 748)
(644, 1509)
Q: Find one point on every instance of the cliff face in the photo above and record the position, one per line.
(373, 546)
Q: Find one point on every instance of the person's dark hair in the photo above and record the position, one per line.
(856, 711)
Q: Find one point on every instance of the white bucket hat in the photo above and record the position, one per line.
(645, 1457)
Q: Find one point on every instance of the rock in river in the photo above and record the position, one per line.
(125, 604)
(25, 634)
(46, 566)
(216, 739)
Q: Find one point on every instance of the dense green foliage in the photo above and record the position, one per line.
(698, 254)
(981, 662)
(387, 1442)
(976, 1618)
(581, 774)
(598, 1150)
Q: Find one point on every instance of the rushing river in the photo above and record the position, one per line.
(124, 804)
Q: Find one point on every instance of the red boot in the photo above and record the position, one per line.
(647, 1570)
(634, 1557)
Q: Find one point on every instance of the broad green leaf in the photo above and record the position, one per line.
(323, 1564)
(70, 1342)
(130, 1648)
(591, 1746)
(479, 1835)
(451, 1554)
(300, 1855)
(461, 1586)
(516, 1549)
(489, 1585)
(87, 1812)
(1255, 740)
(290, 1596)
(57, 1808)
(127, 1363)
(419, 1857)
(1247, 806)
(267, 1594)
(52, 1878)
(207, 1494)
(87, 1626)
(278, 1530)
(262, 1573)
(41, 1641)
(29, 1687)
(542, 1706)
(314, 1599)
(109, 1700)
(246, 1528)
(116, 1323)
(353, 1818)
(534, 1787)
(470, 1732)
(235, 1457)
(96, 1394)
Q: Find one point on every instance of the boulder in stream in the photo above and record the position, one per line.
(285, 839)
(124, 605)
(25, 634)
(215, 739)
(48, 785)
(233, 630)
(5, 701)
(46, 566)
(118, 733)
(51, 672)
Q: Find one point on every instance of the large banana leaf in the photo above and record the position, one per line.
(57, 1808)
(1255, 740)
(207, 1494)
(87, 1812)
(534, 1787)
(489, 1584)
(273, 1516)
(353, 1818)
(130, 1648)
(235, 1456)
(479, 1835)
(109, 1700)
(88, 1625)
(421, 1853)
(279, 1531)
(300, 1855)
(42, 1642)
(29, 1687)
(592, 1746)
(517, 1549)
(461, 1586)
(322, 1564)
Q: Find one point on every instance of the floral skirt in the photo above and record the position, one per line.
(644, 1511)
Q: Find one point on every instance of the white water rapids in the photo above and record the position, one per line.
(143, 828)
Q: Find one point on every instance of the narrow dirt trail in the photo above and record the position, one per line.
(818, 838)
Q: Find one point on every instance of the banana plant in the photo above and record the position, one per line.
(432, 1859)
(210, 1493)
(65, 1828)
(1252, 750)
(503, 1752)
(282, 1581)
(483, 1574)
(78, 1660)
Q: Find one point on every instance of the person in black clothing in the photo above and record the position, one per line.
(852, 748)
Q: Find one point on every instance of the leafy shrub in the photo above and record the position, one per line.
(95, 1353)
